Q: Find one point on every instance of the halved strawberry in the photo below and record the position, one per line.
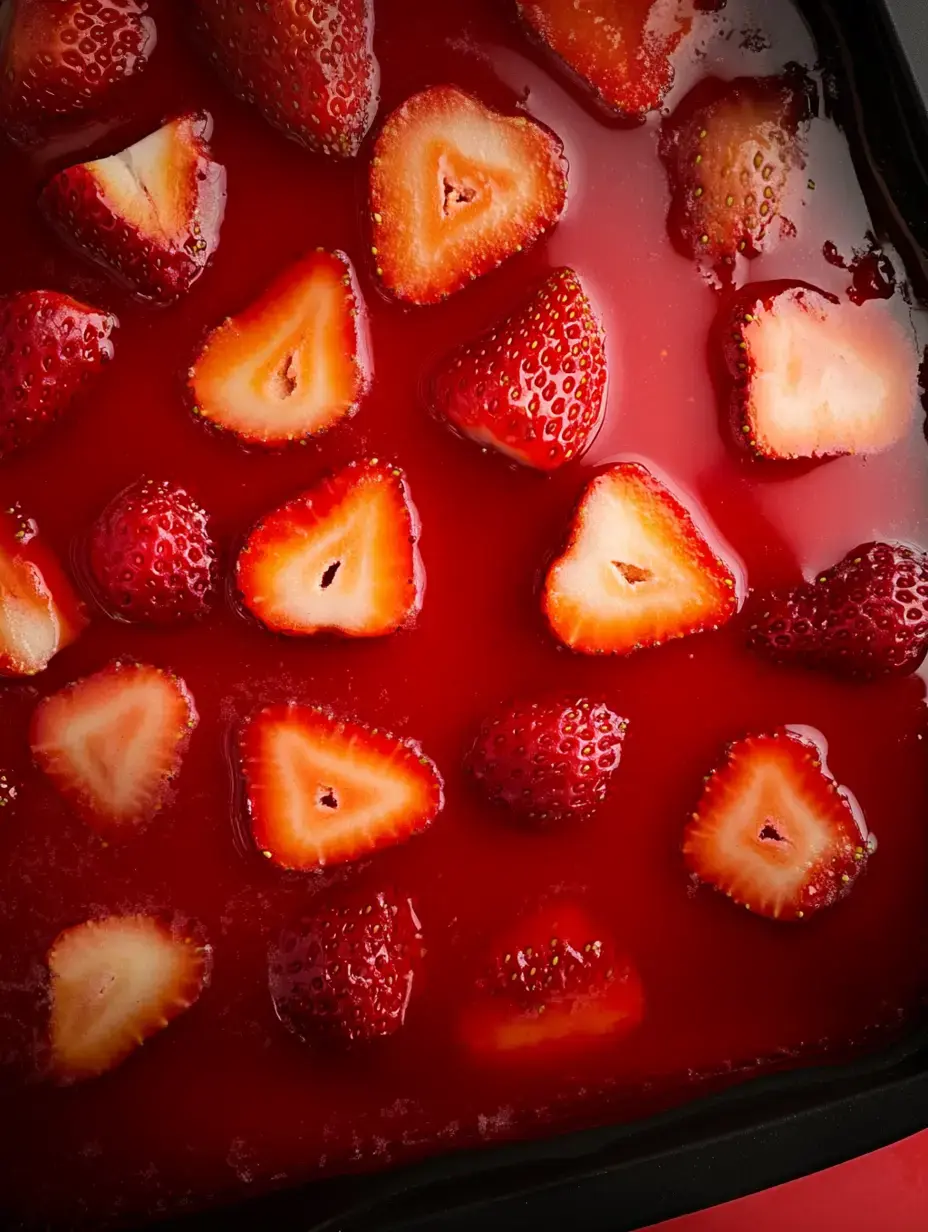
(774, 831)
(534, 387)
(636, 571)
(40, 612)
(732, 150)
(50, 345)
(456, 188)
(309, 68)
(151, 214)
(321, 790)
(815, 377)
(341, 558)
(112, 742)
(620, 49)
(59, 57)
(555, 981)
(293, 363)
(115, 982)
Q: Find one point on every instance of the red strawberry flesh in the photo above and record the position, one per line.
(774, 832)
(534, 387)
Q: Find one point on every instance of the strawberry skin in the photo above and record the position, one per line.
(59, 57)
(40, 613)
(555, 982)
(114, 983)
(151, 556)
(811, 376)
(294, 363)
(548, 761)
(774, 832)
(151, 214)
(732, 150)
(50, 346)
(636, 571)
(113, 742)
(344, 974)
(342, 558)
(309, 69)
(866, 616)
(533, 387)
(322, 790)
(455, 189)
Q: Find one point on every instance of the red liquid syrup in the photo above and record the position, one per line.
(225, 1102)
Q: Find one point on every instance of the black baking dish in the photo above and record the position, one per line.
(768, 1130)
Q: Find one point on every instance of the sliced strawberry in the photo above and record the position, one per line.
(40, 613)
(534, 387)
(732, 151)
(555, 981)
(50, 345)
(342, 558)
(620, 49)
(636, 571)
(292, 364)
(308, 68)
(151, 214)
(322, 790)
(815, 377)
(774, 831)
(67, 56)
(456, 189)
(112, 742)
(115, 982)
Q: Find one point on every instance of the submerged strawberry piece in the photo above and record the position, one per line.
(548, 761)
(61, 57)
(636, 571)
(292, 364)
(732, 151)
(112, 742)
(774, 831)
(115, 982)
(308, 68)
(534, 386)
(151, 555)
(866, 616)
(40, 613)
(50, 346)
(621, 49)
(815, 377)
(345, 974)
(342, 558)
(151, 214)
(555, 983)
(455, 189)
(321, 790)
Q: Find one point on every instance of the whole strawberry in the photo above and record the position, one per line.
(49, 346)
(867, 616)
(151, 556)
(548, 760)
(345, 974)
(535, 385)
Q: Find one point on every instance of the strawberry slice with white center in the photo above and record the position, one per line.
(294, 363)
(636, 570)
(151, 214)
(815, 377)
(455, 189)
(40, 612)
(321, 790)
(115, 982)
(774, 831)
(112, 742)
(341, 558)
